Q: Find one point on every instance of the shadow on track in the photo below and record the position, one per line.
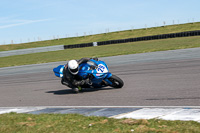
(69, 91)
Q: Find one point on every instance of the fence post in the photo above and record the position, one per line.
(164, 23)
(132, 27)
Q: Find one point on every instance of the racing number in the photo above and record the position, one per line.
(101, 68)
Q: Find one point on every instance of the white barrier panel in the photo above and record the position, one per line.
(31, 50)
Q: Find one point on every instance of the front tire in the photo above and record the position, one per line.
(116, 81)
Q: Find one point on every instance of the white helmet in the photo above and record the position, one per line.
(73, 66)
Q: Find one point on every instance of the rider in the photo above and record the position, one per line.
(70, 77)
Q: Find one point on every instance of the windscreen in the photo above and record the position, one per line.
(92, 65)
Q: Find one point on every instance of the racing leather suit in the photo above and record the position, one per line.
(71, 80)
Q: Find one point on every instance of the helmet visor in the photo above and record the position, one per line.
(74, 70)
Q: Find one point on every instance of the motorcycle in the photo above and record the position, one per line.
(98, 73)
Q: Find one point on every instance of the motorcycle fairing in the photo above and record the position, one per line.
(58, 71)
(98, 69)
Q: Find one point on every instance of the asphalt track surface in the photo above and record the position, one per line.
(167, 78)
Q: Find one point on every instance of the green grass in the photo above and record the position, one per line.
(74, 123)
(102, 51)
(108, 36)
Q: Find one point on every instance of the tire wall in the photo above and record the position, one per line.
(145, 38)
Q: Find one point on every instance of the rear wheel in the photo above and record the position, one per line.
(116, 81)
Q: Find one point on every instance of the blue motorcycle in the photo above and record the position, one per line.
(98, 73)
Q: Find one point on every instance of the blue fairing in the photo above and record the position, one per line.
(58, 71)
(98, 69)
(109, 75)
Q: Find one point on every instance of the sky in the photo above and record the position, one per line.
(32, 20)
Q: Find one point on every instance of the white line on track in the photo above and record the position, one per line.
(189, 107)
(19, 109)
(142, 112)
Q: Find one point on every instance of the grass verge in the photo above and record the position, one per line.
(75, 123)
(108, 36)
(102, 51)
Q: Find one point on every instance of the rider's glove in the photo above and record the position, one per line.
(88, 81)
(95, 58)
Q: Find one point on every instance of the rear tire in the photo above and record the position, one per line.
(117, 82)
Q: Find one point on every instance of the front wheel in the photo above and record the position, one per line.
(116, 81)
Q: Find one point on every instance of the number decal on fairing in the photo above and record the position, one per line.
(101, 69)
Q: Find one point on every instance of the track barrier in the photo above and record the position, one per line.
(61, 47)
(145, 38)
